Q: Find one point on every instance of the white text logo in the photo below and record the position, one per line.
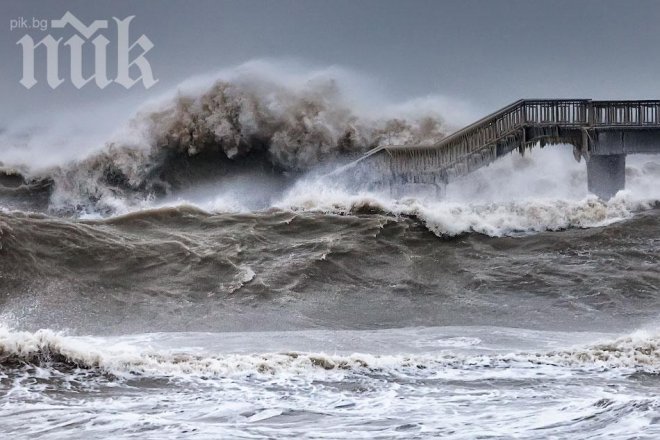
(75, 46)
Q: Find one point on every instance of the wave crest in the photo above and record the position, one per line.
(47, 349)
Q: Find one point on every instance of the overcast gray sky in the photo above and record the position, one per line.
(488, 53)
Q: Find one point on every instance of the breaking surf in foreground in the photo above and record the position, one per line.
(456, 382)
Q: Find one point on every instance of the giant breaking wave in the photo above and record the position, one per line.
(247, 122)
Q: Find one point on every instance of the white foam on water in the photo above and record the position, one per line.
(639, 351)
(462, 387)
(545, 191)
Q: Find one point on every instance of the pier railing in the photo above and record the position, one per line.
(574, 113)
(626, 113)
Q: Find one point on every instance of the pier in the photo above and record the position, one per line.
(601, 132)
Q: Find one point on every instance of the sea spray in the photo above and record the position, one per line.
(253, 117)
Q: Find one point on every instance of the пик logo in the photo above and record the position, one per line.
(100, 43)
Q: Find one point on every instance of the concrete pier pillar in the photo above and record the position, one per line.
(606, 174)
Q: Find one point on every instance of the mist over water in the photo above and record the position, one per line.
(200, 270)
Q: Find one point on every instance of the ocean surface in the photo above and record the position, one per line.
(194, 291)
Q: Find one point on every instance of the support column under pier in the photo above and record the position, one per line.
(606, 174)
